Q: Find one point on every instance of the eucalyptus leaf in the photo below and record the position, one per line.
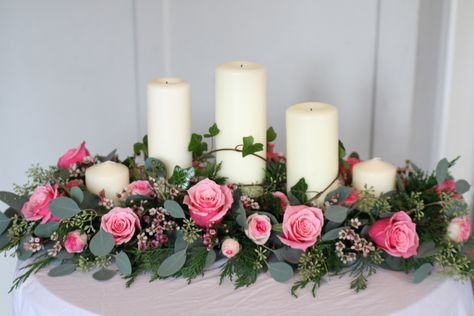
(180, 243)
(341, 193)
(104, 274)
(172, 264)
(89, 201)
(336, 213)
(102, 243)
(422, 272)
(241, 218)
(64, 255)
(24, 254)
(288, 254)
(62, 270)
(155, 168)
(47, 229)
(4, 222)
(77, 194)
(4, 241)
(280, 271)
(210, 258)
(392, 263)
(462, 186)
(426, 249)
(442, 170)
(123, 263)
(174, 209)
(11, 212)
(64, 207)
(400, 184)
(13, 200)
(333, 234)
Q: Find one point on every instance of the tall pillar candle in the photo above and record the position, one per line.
(241, 110)
(112, 177)
(374, 174)
(312, 145)
(169, 122)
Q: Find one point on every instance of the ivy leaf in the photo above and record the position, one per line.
(442, 170)
(280, 271)
(271, 135)
(62, 270)
(210, 258)
(102, 243)
(174, 209)
(213, 131)
(47, 229)
(155, 168)
(336, 213)
(299, 191)
(4, 222)
(77, 194)
(123, 263)
(172, 264)
(104, 274)
(249, 147)
(182, 177)
(196, 145)
(422, 272)
(333, 234)
(462, 186)
(341, 193)
(64, 207)
(14, 201)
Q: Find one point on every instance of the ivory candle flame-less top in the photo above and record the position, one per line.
(312, 145)
(112, 177)
(376, 174)
(241, 110)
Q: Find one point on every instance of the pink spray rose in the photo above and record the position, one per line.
(396, 235)
(459, 229)
(121, 223)
(208, 202)
(37, 207)
(283, 199)
(271, 154)
(141, 187)
(73, 156)
(75, 241)
(301, 226)
(74, 183)
(258, 228)
(351, 161)
(351, 198)
(230, 247)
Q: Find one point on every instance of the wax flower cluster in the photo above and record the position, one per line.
(182, 225)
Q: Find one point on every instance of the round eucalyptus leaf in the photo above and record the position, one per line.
(47, 229)
(104, 274)
(174, 209)
(77, 194)
(462, 186)
(123, 263)
(336, 213)
(62, 270)
(102, 243)
(442, 170)
(210, 258)
(422, 272)
(64, 207)
(180, 243)
(4, 222)
(333, 234)
(172, 264)
(4, 240)
(280, 271)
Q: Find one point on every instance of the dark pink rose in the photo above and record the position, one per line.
(302, 226)
(141, 187)
(396, 235)
(271, 154)
(121, 223)
(74, 183)
(351, 161)
(283, 199)
(75, 241)
(459, 229)
(73, 156)
(37, 207)
(208, 202)
(351, 198)
(449, 186)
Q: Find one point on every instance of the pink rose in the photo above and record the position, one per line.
(230, 247)
(141, 187)
(396, 235)
(121, 223)
(271, 154)
(351, 161)
(258, 228)
(351, 198)
(459, 229)
(208, 202)
(301, 226)
(448, 186)
(73, 156)
(74, 183)
(75, 241)
(283, 199)
(37, 207)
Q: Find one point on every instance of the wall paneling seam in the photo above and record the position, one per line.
(374, 78)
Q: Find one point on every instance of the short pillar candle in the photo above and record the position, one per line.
(112, 177)
(374, 174)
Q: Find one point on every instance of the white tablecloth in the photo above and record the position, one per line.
(389, 293)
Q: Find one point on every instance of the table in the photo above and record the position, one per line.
(389, 293)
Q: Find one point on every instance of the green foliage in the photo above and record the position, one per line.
(280, 271)
(181, 177)
(299, 191)
(336, 213)
(442, 170)
(271, 135)
(31, 268)
(422, 272)
(36, 176)
(312, 267)
(4, 222)
(197, 146)
(102, 243)
(147, 261)
(77, 195)
(195, 264)
(155, 168)
(123, 263)
(174, 209)
(140, 148)
(47, 229)
(454, 263)
(249, 147)
(213, 131)
(104, 274)
(211, 171)
(14, 201)
(363, 268)
(172, 264)
(64, 207)
(62, 270)
(190, 230)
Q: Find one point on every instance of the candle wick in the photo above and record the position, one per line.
(311, 109)
(166, 82)
(241, 66)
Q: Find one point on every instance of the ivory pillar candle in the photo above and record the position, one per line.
(169, 122)
(312, 145)
(376, 174)
(241, 110)
(112, 177)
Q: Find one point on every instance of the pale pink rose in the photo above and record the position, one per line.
(283, 199)
(140, 187)
(351, 198)
(208, 202)
(75, 241)
(121, 223)
(230, 247)
(302, 226)
(258, 228)
(37, 207)
(459, 229)
(73, 156)
(396, 235)
(449, 186)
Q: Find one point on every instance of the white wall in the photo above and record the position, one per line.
(74, 70)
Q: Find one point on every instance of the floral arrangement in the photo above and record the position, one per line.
(179, 226)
